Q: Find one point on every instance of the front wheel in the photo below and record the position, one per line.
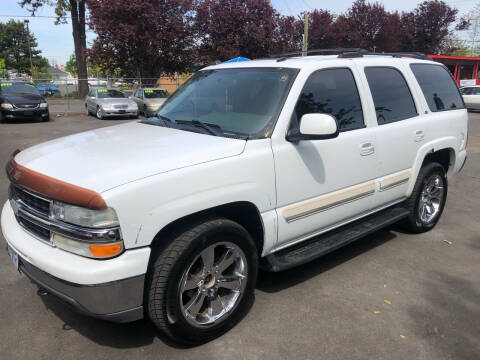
(202, 283)
(428, 199)
(99, 114)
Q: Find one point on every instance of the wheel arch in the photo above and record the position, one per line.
(244, 213)
(441, 151)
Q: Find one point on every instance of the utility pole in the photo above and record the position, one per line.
(305, 36)
(26, 21)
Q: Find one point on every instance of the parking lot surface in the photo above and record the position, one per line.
(390, 295)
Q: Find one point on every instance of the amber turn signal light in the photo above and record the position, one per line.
(105, 251)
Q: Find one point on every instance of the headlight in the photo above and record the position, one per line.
(43, 105)
(98, 251)
(91, 233)
(7, 106)
(106, 106)
(84, 217)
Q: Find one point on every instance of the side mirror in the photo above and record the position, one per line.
(314, 127)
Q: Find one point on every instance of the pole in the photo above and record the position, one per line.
(29, 46)
(305, 36)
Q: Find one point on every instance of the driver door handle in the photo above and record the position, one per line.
(367, 149)
(419, 135)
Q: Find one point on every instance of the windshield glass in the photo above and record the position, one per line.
(109, 93)
(243, 101)
(153, 94)
(10, 88)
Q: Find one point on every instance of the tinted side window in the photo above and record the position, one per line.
(466, 91)
(476, 91)
(333, 92)
(439, 88)
(391, 95)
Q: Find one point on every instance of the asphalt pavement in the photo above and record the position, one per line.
(390, 295)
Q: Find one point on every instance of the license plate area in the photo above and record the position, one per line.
(13, 255)
(121, 111)
(28, 113)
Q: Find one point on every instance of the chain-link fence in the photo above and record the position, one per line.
(63, 97)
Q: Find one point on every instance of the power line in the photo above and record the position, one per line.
(33, 16)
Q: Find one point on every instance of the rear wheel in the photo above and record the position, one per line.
(2, 119)
(202, 284)
(87, 112)
(428, 199)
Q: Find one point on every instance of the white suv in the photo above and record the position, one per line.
(268, 163)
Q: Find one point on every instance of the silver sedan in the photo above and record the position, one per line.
(471, 97)
(110, 102)
(149, 100)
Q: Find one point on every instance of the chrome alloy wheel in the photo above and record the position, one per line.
(213, 284)
(431, 198)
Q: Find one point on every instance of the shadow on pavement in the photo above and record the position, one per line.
(273, 282)
(450, 320)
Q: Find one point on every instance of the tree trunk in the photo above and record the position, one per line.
(79, 40)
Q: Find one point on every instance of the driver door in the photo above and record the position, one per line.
(324, 183)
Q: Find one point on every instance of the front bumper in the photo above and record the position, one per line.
(109, 289)
(119, 112)
(118, 301)
(22, 114)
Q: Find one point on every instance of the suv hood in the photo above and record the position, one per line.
(105, 158)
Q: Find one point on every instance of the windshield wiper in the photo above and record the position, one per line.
(167, 122)
(213, 129)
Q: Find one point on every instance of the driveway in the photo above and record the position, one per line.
(390, 295)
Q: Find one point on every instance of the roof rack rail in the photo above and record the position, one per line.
(362, 52)
(284, 56)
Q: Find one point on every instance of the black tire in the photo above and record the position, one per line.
(2, 119)
(163, 284)
(87, 112)
(414, 222)
(99, 114)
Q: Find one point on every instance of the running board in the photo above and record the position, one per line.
(320, 245)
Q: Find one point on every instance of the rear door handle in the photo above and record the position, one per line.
(367, 149)
(419, 135)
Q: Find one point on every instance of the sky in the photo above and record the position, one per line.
(56, 42)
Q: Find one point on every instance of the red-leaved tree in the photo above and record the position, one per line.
(231, 28)
(142, 37)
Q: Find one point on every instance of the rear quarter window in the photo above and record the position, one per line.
(438, 86)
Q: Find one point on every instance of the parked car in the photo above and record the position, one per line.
(471, 97)
(109, 102)
(47, 89)
(96, 82)
(149, 100)
(268, 164)
(21, 100)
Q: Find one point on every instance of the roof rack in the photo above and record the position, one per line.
(362, 52)
(350, 53)
(284, 56)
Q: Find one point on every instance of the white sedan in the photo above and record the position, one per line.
(471, 97)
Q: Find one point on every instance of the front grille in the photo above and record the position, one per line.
(120, 106)
(36, 230)
(26, 106)
(31, 200)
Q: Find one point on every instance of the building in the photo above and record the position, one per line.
(463, 68)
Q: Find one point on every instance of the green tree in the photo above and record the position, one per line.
(71, 65)
(14, 47)
(3, 71)
(76, 11)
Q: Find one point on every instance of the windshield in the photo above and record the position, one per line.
(109, 93)
(9, 88)
(153, 94)
(243, 101)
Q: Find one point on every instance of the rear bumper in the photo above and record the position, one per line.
(118, 301)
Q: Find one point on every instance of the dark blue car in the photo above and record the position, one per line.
(47, 89)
